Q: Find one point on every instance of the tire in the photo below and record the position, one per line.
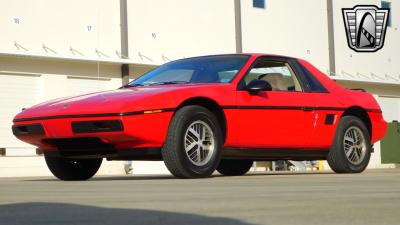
(182, 163)
(73, 169)
(234, 167)
(356, 160)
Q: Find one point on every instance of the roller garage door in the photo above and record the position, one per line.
(16, 92)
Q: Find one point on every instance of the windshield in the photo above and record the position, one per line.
(207, 69)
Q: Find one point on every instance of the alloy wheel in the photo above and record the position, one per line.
(354, 145)
(199, 143)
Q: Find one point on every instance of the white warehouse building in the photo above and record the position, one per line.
(55, 48)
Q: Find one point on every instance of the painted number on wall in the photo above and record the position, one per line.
(16, 20)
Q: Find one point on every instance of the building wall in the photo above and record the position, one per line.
(86, 26)
(137, 70)
(160, 31)
(298, 29)
(380, 89)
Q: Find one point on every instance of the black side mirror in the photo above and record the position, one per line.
(258, 85)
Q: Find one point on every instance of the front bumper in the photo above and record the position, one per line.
(118, 133)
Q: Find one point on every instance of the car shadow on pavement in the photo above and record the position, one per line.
(291, 173)
(69, 214)
(112, 178)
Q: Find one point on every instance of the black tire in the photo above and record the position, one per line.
(234, 167)
(173, 152)
(337, 159)
(73, 169)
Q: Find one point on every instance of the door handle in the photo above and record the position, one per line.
(305, 108)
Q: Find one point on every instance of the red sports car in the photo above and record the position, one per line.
(213, 112)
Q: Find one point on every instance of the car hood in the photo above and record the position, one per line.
(115, 101)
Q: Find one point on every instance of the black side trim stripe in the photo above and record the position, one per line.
(94, 115)
(330, 108)
(259, 154)
(264, 107)
(374, 110)
(306, 108)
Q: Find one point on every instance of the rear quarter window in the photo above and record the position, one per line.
(313, 83)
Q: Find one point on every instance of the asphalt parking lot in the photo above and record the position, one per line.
(372, 197)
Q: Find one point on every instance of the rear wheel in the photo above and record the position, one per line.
(73, 169)
(234, 167)
(351, 149)
(193, 145)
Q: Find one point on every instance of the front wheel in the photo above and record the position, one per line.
(193, 145)
(73, 169)
(351, 149)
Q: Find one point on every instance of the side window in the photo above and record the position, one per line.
(226, 76)
(313, 84)
(278, 74)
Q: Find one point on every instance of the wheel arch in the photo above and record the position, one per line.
(211, 105)
(360, 113)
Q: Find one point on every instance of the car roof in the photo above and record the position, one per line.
(244, 54)
(272, 55)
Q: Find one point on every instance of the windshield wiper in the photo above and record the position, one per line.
(131, 85)
(169, 82)
(155, 83)
(135, 85)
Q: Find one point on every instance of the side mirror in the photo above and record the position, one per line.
(258, 85)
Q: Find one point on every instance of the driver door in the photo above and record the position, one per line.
(281, 118)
